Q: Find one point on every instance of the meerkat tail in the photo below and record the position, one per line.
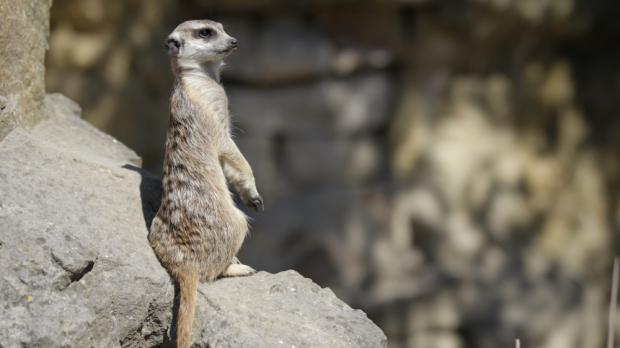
(188, 284)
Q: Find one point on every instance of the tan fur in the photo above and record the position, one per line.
(198, 230)
(188, 283)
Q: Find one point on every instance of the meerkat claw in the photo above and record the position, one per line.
(257, 203)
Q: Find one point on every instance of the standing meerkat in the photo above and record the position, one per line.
(198, 230)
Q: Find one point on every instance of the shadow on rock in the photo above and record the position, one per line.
(150, 193)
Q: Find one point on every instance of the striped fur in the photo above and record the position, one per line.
(198, 229)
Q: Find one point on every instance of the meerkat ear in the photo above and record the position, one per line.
(173, 46)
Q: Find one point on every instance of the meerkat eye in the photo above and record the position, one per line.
(206, 33)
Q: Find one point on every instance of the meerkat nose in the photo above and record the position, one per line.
(233, 42)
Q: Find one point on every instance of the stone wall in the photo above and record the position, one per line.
(449, 166)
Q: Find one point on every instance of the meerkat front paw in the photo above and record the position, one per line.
(254, 201)
(257, 203)
(238, 270)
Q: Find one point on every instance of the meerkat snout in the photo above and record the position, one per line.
(173, 46)
(201, 41)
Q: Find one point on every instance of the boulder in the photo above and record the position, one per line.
(78, 270)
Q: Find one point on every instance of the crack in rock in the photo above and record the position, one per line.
(75, 270)
(152, 330)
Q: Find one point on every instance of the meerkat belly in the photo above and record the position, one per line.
(198, 224)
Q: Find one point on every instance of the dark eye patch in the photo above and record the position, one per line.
(206, 33)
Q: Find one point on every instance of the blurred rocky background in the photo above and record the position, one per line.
(451, 167)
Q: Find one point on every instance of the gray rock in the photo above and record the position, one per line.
(73, 246)
(24, 27)
(282, 310)
(68, 133)
(78, 271)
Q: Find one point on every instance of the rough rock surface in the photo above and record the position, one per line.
(78, 271)
(282, 310)
(24, 28)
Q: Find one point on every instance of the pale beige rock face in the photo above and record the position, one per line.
(24, 28)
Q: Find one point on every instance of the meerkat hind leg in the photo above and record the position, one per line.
(237, 269)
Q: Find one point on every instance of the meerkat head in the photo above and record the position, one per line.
(200, 41)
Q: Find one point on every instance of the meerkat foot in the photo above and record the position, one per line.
(238, 270)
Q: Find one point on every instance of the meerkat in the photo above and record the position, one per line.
(198, 229)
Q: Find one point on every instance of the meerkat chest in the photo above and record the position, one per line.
(209, 96)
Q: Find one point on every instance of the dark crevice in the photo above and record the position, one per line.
(75, 277)
(73, 273)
